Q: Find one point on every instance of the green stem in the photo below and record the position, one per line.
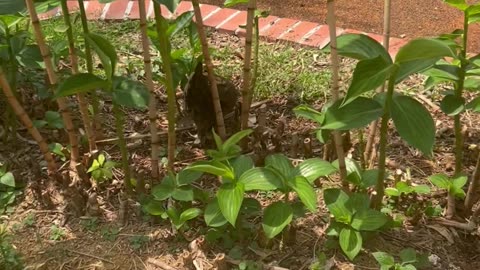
(255, 58)
(119, 122)
(380, 186)
(161, 28)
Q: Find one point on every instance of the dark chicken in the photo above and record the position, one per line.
(199, 104)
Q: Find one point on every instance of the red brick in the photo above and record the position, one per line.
(49, 14)
(320, 38)
(72, 6)
(117, 9)
(234, 23)
(219, 17)
(297, 33)
(277, 29)
(135, 11)
(183, 7)
(262, 24)
(94, 10)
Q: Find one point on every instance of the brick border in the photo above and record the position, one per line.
(225, 20)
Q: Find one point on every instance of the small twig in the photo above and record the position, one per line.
(143, 136)
(428, 102)
(470, 226)
(160, 264)
(91, 256)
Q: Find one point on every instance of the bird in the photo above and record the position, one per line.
(199, 104)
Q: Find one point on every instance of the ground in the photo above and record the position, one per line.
(54, 239)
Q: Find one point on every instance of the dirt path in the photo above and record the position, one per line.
(410, 18)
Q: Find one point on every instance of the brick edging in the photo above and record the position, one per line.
(225, 20)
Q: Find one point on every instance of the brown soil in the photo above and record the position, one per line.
(409, 18)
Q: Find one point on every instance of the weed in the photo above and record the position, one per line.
(56, 233)
(90, 224)
(9, 257)
(138, 241)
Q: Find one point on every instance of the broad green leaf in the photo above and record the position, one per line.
(414, 123)
(242, 164)
(459, 181)
(408, 267)
(356, 114)
(350, 242)
(368, 75)
(180, 23)
(459, 4)
(251, 206)
(186, 177)
(235, 138)
(336, 201)
(313, 168)
(57, 148)
(423, 49)
(421, 189)
(368, 220)
(165, 189)
(230, 197)
(184, 194)
(281, 163)
(384, 259)
(358, 201)
(354, 171)
(189, 214)
(212, 167)
(408, 255)
(276, 217)
(80, 83)
(444, 71)
(305, 192)
(369, 178)
(392, 192)
(8, 180)
(231, 3)
(170, 4)
(130, 93)
(452, 105)
(440, 180)
(11, 7)
(54, 119)
(360, 47)
(218, 140)
(260, 179)
(154, 208)
(30, 57)
(474, 105)
(308, 112)
(403, 187)
(105, 51)
(213, 215)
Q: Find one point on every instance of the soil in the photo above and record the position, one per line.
(409, 18)
(105, 242)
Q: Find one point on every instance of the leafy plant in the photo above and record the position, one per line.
(53, 120)
(90, 224)
(403, 188)
(352, 217)
(56, 233)
(102, 169)
(7, 188)
(138, 241)
(453, 185)
(410, 260)
(110, 234)
(9, 257)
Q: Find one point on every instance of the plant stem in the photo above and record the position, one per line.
(255, 59)
(337, 137)
(62, 103)
(123, 147)
(211, 75)
(152, 106)
(161, 28)
(82, 101)
(97, 120)
(252, 5)
(11, 122)
(380, 186)
(27, 122)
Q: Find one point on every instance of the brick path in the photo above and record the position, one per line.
(225, 20)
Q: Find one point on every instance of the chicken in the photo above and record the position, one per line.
(199, 104)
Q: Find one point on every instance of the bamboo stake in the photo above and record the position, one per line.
(246, 91)
(27, 122)
(152, 106)
(337, 137)
(62, 104)
(82, 101)
(211, 75)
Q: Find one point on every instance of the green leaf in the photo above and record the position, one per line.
(190, 214)
(314, 168)
(452, 105)
(281, 163)
(242, 164)
(130, 93)
(11, 7)
(460, 181)
(369, 178)
(459, 4)
(423, 49)
(260, 179)
(212, 167)
(105, 51)
(165, 189)
(384, 259)
(360, 47)
(30, 57)
(276, 217)
(8, 180)
(231, 3)
(170, 4)
(350, 242)
(184, 194)
(180, 23)
(447, 72)
(368, 75)
(235, 138)
(474, 105)
(154, 208)
(408, 255)
(336, 201)
(186, 177)
(213, 215)
(368, 220)
(305, 192)
(358, 201)
(54, 119)
(230, 197)
(392, 192)
(421, 189)
(356, 114)
(80, 83)
(414, 123)
(440, 180)
(308, 112)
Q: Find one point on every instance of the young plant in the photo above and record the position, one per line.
(402, 188)
(102, 169)
(56, 233)
(7, 188)
(454, 186)
(9, 257)
(352, 217)
(410, 260)
(52, 120)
